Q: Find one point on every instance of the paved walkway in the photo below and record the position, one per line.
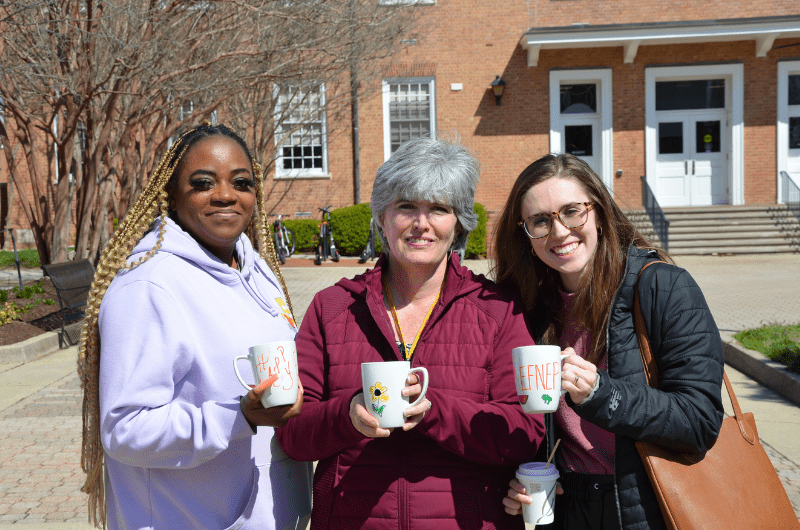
(40, 401)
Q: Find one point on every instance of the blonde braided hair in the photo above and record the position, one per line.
(151, 203)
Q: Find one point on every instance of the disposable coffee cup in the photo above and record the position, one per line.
(540, 485)
(383, 383)
(266, 360)
(537, 376)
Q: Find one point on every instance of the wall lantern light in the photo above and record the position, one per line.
(498, 85)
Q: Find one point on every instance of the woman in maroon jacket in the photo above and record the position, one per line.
(448, 467)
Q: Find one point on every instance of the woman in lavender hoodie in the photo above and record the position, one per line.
(188, 282)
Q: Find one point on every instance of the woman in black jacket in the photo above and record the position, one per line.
(575, 257)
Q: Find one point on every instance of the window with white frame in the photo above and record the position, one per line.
(408, 111)
(300, 131)
(186, 110)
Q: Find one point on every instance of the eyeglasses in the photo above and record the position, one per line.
(573, 215)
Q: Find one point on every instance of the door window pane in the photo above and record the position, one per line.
(670, 138)
(794, 133)
(707, 136)
(579, 99)
(679, 95)
(794, 89)
(578, 140)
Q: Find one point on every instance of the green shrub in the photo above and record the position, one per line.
(27, 258)
(476, 243)
(351, 228)
(779, 343)
(28, 291)
(306, 233)
(3, 296)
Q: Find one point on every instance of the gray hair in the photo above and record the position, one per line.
(433, 170)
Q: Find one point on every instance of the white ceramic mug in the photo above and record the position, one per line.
(268, 359)
(537, 375)
(382, 383)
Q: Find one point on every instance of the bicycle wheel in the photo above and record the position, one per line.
(280, 250)
(290, 240)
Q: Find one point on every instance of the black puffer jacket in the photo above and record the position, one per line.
(686, 411)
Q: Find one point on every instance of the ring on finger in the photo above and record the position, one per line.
(577, 378)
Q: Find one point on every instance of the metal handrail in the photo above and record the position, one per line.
(656, 214)
(791, 194)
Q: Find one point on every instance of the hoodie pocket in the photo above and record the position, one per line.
(280, 498)
(247, 514)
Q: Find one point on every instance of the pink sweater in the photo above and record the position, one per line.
(585, 447)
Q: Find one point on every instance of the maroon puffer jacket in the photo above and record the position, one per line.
(451, 472)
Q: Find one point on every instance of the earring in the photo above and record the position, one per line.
(599, 230)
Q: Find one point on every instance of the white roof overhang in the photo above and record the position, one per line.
(762, 30)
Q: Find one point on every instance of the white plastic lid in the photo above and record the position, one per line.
(537, 470)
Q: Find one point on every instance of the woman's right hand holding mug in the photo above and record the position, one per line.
(363, 421)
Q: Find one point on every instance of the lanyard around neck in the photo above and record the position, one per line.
(409, 351)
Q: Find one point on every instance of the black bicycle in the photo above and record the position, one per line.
(326, 247)
(284, 240)
(369, 250)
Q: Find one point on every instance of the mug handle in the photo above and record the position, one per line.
(563, 392)
(423, 370)
(236, 369)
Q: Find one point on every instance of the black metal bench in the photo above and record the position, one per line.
(73, 281)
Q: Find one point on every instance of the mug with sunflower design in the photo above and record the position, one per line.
(382, 383)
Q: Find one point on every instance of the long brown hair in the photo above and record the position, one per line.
(537, 283)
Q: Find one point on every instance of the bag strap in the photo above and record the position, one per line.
(651, 369)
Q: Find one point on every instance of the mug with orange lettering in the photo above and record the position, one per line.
(537, 374)
(268, 359)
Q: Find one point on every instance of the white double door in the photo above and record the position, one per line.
(692, 158)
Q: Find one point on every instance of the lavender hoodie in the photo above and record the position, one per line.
(179, 452)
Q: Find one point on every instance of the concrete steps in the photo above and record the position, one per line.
(727, 229)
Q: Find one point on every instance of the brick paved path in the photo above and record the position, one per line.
(40, 470)
(788, 472)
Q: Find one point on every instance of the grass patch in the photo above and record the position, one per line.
(779, 343)
(27, 258)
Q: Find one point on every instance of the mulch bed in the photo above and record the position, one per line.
(39, 319)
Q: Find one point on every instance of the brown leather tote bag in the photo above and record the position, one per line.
(733, 485)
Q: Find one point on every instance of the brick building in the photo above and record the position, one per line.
(701, 98)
